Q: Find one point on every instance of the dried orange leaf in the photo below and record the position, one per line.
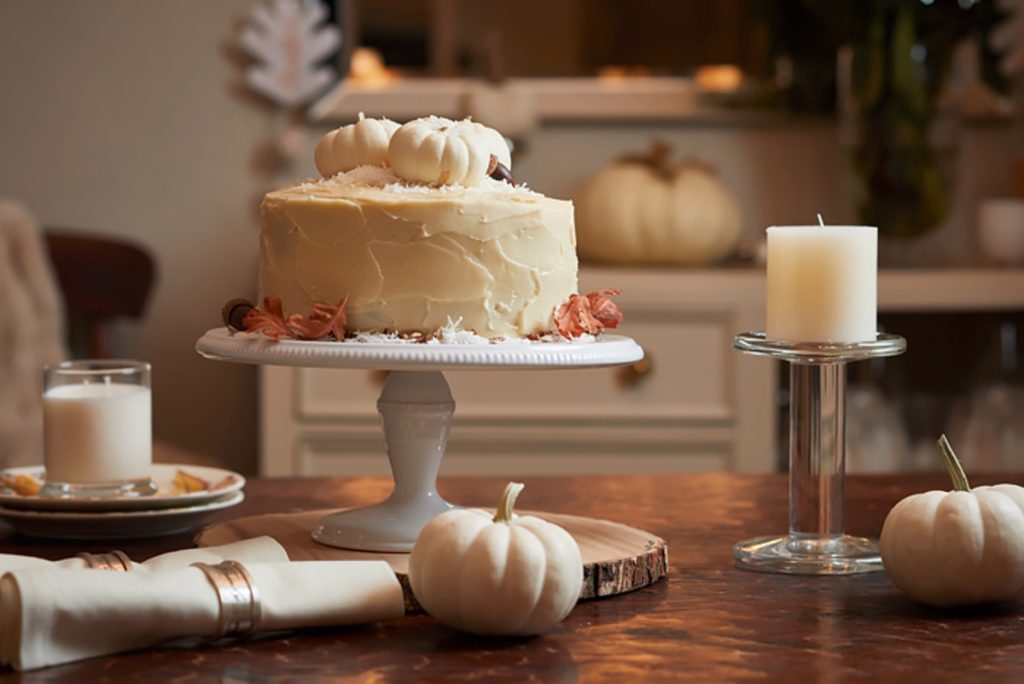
(604, 309)
(186, 483)
(327, 321)
(224, 483)
(22, 485)
(590, 313)
(269, 321)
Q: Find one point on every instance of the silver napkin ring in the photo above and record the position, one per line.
(118, 561)
(240, 608)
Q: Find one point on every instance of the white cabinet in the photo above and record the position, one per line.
(696, 405)
(701, 406)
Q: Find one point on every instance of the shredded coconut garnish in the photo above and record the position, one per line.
(452, 334)
(382, 178)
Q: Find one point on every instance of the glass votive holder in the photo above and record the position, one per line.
(97, 429)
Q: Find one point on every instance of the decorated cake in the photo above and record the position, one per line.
(417, 228)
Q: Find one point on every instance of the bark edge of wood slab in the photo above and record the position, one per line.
(617, 558)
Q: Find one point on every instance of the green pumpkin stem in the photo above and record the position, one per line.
(508, 501)
(956, 471)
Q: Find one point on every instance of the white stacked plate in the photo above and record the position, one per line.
(169, 511)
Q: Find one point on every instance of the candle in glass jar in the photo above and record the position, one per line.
(97, 432)
(822, 283)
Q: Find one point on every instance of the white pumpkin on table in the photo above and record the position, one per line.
(645, 210)
(496, 575)
(957, 548)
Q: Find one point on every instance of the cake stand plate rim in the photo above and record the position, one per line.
(608, 350)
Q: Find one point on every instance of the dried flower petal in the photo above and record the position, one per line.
(269, 321)
(224, 483)
(604, 309)
(327, 320)
(186, 483)
(22, 485)
(590, 313)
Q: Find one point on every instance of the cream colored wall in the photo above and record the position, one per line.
(119, 117)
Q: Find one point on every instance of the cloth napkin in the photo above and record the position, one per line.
(50, 616)
(255, 550)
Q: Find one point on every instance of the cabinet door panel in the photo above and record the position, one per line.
(686, 380)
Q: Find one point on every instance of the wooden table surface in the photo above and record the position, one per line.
(708, 621)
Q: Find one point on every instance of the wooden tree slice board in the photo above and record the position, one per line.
(616, 558)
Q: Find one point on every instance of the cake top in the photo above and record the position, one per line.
(428, 156)
(382, 178)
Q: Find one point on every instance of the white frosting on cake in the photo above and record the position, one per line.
(410, 257)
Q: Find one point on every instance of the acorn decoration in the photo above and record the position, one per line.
(234, 312)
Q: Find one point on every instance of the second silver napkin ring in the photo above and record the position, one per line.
(118, 561)
(240, 608)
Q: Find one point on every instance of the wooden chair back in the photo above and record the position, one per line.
(102, 279)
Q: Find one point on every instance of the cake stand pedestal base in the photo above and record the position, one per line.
(416, 409)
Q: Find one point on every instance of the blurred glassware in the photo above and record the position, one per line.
(877, 440)
(1001, 230)
(994, 430)
(929, 415)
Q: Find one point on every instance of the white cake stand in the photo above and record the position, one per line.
(416, 409)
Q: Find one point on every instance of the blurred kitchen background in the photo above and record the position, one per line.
(139, 136)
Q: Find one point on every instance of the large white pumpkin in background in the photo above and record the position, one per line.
(644, 211)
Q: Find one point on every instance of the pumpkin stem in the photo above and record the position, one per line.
(508, 501)
(658, 155)
(956, 471)
(656, 158)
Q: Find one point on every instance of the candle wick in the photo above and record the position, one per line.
(821, 221)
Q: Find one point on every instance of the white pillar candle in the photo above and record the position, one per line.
(98, 432)
(822, 283)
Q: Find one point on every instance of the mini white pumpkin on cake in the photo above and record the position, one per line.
(364, 143)
(446, 152)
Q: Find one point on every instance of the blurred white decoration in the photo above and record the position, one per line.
(1001, 230)
(1008, 38)
(289, 41)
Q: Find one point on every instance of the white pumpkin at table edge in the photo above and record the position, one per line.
(440, 151)
(642, 210)
(957, 548)
(363, 143)
(503, 575)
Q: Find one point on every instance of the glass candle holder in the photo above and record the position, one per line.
(817, 543)
(97, 429)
